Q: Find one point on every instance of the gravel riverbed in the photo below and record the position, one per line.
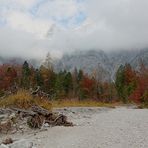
(122, 127)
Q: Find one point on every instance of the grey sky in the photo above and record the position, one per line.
(31, 28)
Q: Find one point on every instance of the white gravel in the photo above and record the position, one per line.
(99, 128)
(96, 128)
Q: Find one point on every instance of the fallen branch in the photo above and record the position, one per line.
(36, 117)
(40, 110)
(35, 91)
(25, 112)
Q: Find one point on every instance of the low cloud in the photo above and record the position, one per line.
(33, 28)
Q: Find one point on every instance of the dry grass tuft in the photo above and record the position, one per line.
(23, 99)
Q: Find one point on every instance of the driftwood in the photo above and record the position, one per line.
(43, 116)
(5, 111)
(59, 121)
(35, 91)
(36, 117)
(6, 126)
(36, 121)
(40, 93)
(40, 110)
(24, 113)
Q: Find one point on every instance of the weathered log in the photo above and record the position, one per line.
(61, 120)
(38, 116)
(40, 110)
(58, 120)
(4, 111)
(6, 126)
(36, 121)
(35, 91)
(25, 112)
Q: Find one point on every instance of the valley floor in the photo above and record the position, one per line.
(122, 127)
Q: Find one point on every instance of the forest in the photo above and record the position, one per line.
(129, 85)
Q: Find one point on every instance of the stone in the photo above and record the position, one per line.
(3, 146)
(22, 144)
(7, 141)
(46, 125)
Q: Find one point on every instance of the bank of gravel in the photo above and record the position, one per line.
(122, 127)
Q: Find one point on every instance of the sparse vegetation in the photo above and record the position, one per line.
(82, 103)
(23, 99)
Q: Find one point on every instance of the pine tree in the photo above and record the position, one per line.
(125, 82)
(68, 85)
(75, 82)
(59, 89)
(120, 77)
(80, 75)
(26, 75)
(38, 78)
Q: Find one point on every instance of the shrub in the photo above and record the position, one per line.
(23, 99)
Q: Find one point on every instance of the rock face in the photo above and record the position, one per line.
(91, 62)
(104, 64)
(141, 56)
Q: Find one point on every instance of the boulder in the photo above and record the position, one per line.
(22, 144)
(3, 146)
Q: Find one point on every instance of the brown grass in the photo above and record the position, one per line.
(23, 99)
(77, 103)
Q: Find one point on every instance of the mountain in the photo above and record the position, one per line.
(17, 60)
(104, 64)
(121, 57)
(92, 61)
(142, 56)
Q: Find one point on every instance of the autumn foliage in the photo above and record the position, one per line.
(130, 85)
(140, 94)
(8, 76)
